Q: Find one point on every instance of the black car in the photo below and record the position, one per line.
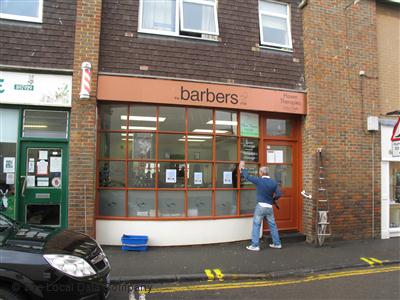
(47, 263)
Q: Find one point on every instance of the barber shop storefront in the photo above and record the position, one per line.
(34, 117)
(168, 153)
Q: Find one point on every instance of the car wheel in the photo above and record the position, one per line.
(7, 294)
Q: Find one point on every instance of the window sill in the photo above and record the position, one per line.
(145, 34)
(287, 50)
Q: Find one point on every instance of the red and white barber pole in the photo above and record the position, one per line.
(86, 79)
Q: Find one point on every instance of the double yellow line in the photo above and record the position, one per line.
(263, 283)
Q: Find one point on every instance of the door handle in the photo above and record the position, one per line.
(23, 186)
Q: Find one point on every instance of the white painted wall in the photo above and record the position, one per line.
(175, 233)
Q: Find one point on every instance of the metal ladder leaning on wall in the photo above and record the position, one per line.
(323, 227)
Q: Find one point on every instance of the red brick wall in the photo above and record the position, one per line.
(338, 43)
(46, 45)
(236, 58)
(82, 165)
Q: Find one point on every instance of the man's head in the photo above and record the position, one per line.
(263, 171)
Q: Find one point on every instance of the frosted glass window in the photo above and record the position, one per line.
(171, 204)
(247, 201)
(45, 124)
(112, 203)
(226, 202)
(141, 204)
(199, 203)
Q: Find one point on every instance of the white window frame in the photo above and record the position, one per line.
(201, 2)
(179, 19)
(287, 17)
(39, 19)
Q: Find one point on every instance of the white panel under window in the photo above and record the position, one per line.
(275, 24)
(30, 11)
(159, 15)
(199, 16)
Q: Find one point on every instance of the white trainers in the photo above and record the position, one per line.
(275, 246)
(253, 248)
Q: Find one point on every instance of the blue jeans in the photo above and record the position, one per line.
(259, 214)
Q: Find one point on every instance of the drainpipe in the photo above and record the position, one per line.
(302, 4)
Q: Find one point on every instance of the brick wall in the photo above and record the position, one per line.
(388, 23)
(45, 45)
(82, 165)
(236, 58)
(338, 43)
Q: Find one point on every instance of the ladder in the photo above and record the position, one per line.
(323, 228)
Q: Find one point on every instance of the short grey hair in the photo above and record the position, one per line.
(264, 170)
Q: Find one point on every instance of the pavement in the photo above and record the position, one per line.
(234, 261)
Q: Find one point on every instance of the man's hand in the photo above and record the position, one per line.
(241, 165)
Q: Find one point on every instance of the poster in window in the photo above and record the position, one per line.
(8, 164)
(170, 175)
(227, 177)
(249, 124)
(249, 149)
(142, 145)
(198, 178)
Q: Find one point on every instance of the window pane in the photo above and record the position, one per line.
(247, 201)
(159, 15)
(249, 124)
(199, 175)
(142, 117)
(113, 116)
(112, 174)
(282, 174)
(172, 119)
(20, 8)
(274, 8)
(253, 171)
(171, 204)
(226, 176)
(199, 203)
(226, 122)
(43, 214)
(45, 124)
(226, 148)
(279, 154)
(141, 145)
(171, 175)
(171, 146)
(249, 149)
(200, 147)
(199, 120)
(141, 174)
(199, 17)
(225, 202)
(275, 30)
(112, 145)
(112, 203)
(279, 127)
(141, 204)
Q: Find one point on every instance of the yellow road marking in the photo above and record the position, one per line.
(263, 283)
(209, 274)
(375, 260)
(370, 262)
(219, 274)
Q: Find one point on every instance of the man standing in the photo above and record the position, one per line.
(267, 191)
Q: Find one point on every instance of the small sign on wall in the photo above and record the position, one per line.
(396, 149)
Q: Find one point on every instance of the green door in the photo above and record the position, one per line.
(44, 183)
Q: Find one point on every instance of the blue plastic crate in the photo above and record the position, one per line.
(134, 242)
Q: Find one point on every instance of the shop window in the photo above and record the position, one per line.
(226, 203)
(199, 120)
(171, 175)
(29, 11)
(253, 171)
(171, 204)
(274, 20)
(226, 148)
(199, 175)
(141, 204)
(45, 124)
(113, 116)
(225, 122)
(112, 174)
(249, 125)
(247, 201)
(249, 150)
(171, 146)
(196, 18)
(394, 221)
(172, 119)
(200, 147)
(227, 175)
(279, 162)
(112, 203)
(143, 118)
(141, 174)
(199, 203)
(141, 145)
(113, 145)
(276, 127)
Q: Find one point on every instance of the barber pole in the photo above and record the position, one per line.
(85, 82)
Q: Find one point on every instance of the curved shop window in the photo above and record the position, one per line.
(174, 162)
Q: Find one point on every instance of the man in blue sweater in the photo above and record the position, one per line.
(267, 191)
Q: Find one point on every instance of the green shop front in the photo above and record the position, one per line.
(34, 125)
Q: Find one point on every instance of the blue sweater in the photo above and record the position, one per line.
(266, 188)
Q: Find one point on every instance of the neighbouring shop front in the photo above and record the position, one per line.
(34, 124)
(390, 177)
(168, 153)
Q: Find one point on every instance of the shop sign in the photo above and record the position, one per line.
(35, 89)
(396, 132)
(396, 149)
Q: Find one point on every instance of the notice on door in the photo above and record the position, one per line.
(55, 164)
(42, 167)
